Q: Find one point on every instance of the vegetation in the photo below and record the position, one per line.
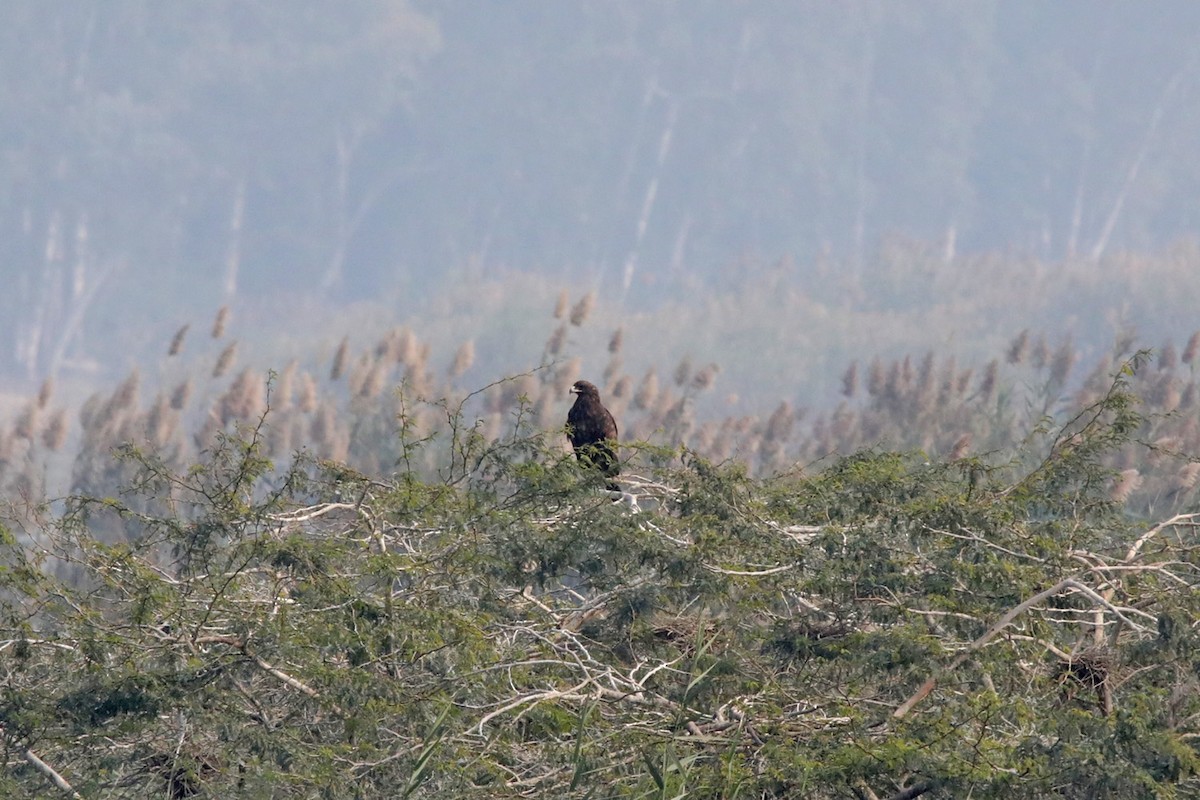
(450, 605)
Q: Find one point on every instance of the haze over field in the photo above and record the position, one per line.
(781, 188)
(889, 305)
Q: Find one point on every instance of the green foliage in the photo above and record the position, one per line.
(495, 625)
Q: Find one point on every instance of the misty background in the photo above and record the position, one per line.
(777, 187)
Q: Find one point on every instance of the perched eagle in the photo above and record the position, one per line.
(593, 432)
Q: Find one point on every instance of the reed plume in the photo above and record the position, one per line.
(45, 393)
(181, 395)
(1168, 357)
(683, 371)
(1018, 349)
(177, 340)
(1191, 350)
(306, 400)
(705, 377)
(1127, 481)
(583, 309)
(282, 394)
(962, 446)
(339, 360)
(850, 380)
(463, 359)
(226, 360)
(618, 338)
(219, 323)
(554, 344)
(55, 433)
(647, 391)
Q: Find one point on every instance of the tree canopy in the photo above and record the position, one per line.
(889, 626)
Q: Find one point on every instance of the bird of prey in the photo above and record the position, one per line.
(593, 432)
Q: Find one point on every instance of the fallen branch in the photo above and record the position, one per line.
(929, 685)
(52, 774)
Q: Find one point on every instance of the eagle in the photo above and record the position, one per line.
(593, 432)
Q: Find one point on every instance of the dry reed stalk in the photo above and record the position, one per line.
(583, 309)
(1190, 395)
(1172, 396)
(554, 344)
(1191, 350)
(925, 375)
(45, 393)
(55, 433)
(208, 431)
(679, 420)
(177, 340)
(282, 394)
(987, 386)
(408, 349)
(961, 448)
(219, 323)
(1124, 342)
(90, 411)
(844, 426)
(876, 377)
(160, 422)
(566, 375)
(1168, 357)
(1061, 363)
(1018, 349)
(704, 379)
(611, 369)
(418, 381)
(683, 371)
(1040, 356)
(359, 374)
(339, 445)
(543, 411)
(908, 375)
(226, 360)
(560, 307)
(181, 395)
(123, 403)
(244, 399)
(618, 338)
(964, 381)
(279, 438)
(663, 403)
(126, 393)
(493, 426)
(307, 395)
(893, 386)
(647, 391)
(26, 426)
(1188, 475)
(463, 359)
(1127, 482)
(850, 380)
(339, 360)
(372, 386)
(389, 346)
(324, 421)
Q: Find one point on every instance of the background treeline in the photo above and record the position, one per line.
(162, 161)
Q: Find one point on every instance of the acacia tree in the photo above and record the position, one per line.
(887, 627)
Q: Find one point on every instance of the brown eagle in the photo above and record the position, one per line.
(593, 432)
